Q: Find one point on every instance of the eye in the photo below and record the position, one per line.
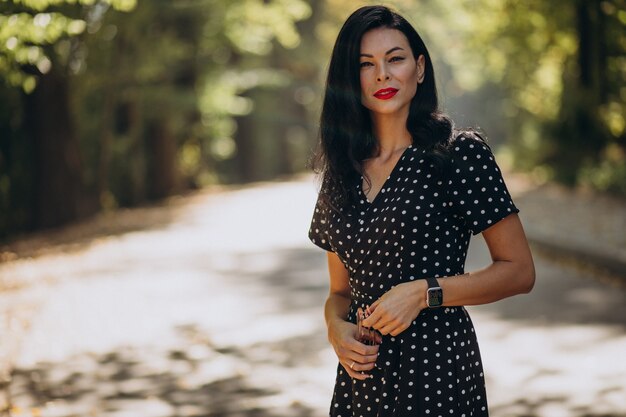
(365, 64)
(396, 59)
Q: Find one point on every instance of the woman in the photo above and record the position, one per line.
(401, 194)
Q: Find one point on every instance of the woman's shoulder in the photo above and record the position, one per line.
(465, 142)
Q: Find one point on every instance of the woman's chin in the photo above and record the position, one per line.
(390, 109)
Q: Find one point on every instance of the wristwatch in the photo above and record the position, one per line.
(434, 293)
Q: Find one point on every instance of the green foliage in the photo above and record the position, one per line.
(22, 36)
(251, 25)
(609, 174)
(229, 90)
(28, 26)
(239, 41)
(41, 5)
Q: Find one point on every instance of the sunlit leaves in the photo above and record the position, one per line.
(610, 173)
(23, 36)
(251, 25)
(222, 93)
(613, 114)
(40, 5)
(41, 28)
(237, 36)
(222, 100)
(123, 5)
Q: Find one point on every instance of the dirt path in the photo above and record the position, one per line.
(216, 311)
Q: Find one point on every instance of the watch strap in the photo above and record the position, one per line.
(432, 282)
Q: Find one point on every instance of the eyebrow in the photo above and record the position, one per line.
(395, 48)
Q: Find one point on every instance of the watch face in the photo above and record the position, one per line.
(435, 297)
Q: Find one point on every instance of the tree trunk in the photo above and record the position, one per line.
(58, 176)
(137, 169)
(108, 121)
(105, 140)
(592, 49)
(580, 133)
(163, 173)
(245, 154)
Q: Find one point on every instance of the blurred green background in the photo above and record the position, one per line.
(107, 104)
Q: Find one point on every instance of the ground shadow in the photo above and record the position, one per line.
(191, 381)
(195, 379)
(198, 378)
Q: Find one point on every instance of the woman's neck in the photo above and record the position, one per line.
(391, 133)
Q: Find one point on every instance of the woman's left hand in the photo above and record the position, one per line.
(395, 310)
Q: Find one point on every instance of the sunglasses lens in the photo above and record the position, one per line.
(366, 335)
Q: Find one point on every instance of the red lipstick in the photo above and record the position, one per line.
(385, 93)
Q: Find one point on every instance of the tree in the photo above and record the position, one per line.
(121, 102)
(39, 40)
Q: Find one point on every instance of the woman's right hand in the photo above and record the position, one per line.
(356, 357)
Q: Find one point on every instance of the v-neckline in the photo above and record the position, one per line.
(393, 170)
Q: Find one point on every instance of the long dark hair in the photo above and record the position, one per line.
(346, 136)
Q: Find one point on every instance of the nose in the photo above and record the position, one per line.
(382, 74)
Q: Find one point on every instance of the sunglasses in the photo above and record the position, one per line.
(366, 335)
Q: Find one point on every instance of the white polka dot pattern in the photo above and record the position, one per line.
(418, 225)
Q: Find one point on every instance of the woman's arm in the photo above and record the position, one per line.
(338, 302)
(511, 272)
(341, 333)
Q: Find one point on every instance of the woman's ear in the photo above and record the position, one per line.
(421, 68)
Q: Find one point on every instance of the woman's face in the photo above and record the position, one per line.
(389, 71)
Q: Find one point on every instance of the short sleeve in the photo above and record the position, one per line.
(476, 188)
(318, 231)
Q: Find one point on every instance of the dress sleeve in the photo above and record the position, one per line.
(318, 231)
(477, 190)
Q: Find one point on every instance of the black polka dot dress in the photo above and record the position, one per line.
(418, 225)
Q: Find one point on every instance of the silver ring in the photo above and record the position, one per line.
(352, 364)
